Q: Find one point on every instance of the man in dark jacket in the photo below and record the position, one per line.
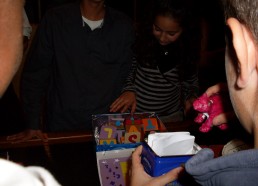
(77, 65)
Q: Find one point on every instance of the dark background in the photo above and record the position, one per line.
(209, 10)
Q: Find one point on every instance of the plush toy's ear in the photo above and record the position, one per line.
(244, 46)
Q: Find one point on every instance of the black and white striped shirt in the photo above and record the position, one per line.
(160, 92)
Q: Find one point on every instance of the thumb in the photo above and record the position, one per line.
(133, 107)
(223, 118)
(220, 119)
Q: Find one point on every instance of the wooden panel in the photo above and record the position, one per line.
(53, 138)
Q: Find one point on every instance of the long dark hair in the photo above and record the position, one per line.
(182, 11)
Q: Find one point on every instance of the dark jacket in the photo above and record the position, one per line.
(78, 71)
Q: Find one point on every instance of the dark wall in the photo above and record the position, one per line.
(36, 8)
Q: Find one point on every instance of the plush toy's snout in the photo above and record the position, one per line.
(202, 104)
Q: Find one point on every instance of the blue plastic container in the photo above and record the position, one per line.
(156, 165)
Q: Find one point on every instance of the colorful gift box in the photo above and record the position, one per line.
(117, 135)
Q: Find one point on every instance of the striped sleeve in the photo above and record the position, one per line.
(130, 80)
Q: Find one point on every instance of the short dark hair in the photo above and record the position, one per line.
(245, 11)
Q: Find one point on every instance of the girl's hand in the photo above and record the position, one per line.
(126, 101)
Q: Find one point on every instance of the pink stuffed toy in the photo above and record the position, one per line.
(208, 108)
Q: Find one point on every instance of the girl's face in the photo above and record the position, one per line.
(166, 30)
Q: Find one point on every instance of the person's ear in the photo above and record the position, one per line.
(244, 45)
